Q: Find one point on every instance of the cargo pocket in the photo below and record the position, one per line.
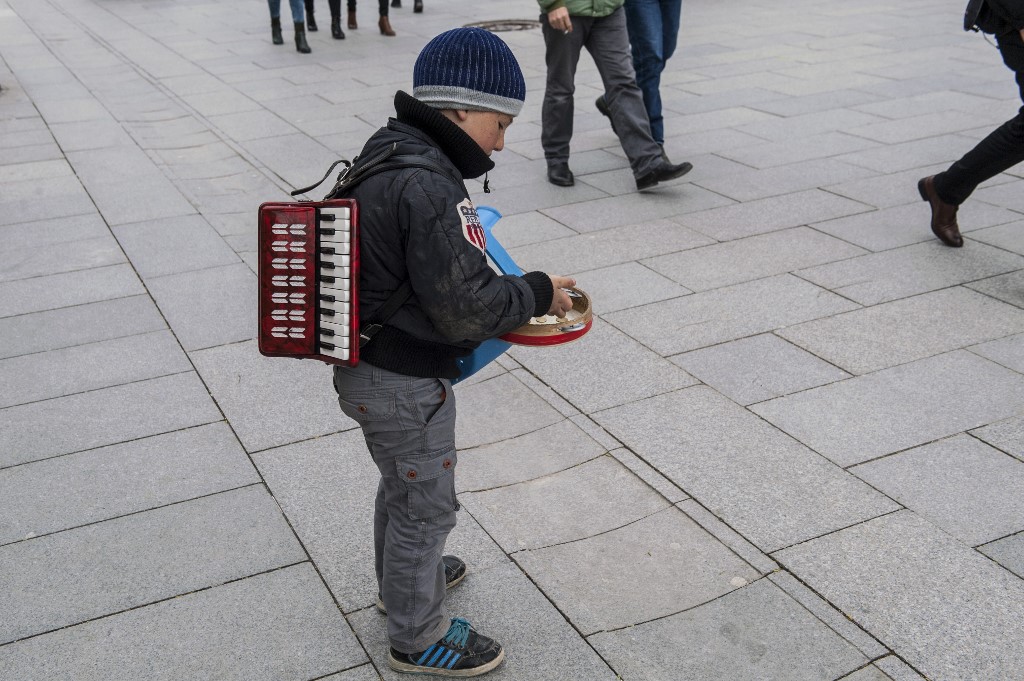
(430, 483)
(368, 407)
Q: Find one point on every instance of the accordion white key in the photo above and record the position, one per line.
(309, 280)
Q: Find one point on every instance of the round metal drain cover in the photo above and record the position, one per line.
(500, 25)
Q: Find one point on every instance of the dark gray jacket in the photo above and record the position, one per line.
(421, 226)
(995, 16)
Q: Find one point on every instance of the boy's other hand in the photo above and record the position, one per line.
(560, 300)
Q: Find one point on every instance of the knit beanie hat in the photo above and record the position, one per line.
(469, 68)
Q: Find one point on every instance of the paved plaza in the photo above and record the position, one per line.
(790, 449)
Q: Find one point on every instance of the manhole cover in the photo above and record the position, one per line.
(500, 25)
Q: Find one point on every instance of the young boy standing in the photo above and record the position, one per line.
(420, 226)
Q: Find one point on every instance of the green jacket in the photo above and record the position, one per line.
(582, 8)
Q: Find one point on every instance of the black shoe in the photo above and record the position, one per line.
(454, 572)
(559, 174)
(663, 173)
(275, 31)
(300, 39)
(462, 652)
(417, 6)
(396, 3)
(336, 31)
(311, 23)
(602, 106)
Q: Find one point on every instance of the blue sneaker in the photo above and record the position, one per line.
(461, 653)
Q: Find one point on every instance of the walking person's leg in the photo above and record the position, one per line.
(561, 55)
(1002, 149)
(384, 24)
(275, 22)
(647, 46)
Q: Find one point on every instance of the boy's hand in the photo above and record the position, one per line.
(560, 300)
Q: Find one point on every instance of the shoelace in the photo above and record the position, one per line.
(458, 633)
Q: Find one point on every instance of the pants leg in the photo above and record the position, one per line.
(351, 5)
(561, 54)
(275, 8)
(608, 43)
(409, 427)
(653, 26)
(1002, 149)
(382, 8)
(298, 13)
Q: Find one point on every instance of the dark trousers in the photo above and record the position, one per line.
(1002, 149)
(335, 6)
(607, 41)
(653, 26)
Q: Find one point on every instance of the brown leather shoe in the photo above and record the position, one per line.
(385, 27)
(943, 214)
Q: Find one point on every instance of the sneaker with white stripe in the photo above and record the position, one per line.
(461, 653)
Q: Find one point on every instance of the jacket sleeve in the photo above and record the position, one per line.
(548, 5)
(463, 297)
(1011, 11)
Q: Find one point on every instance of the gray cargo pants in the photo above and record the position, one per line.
(608, 43)
(409, 427)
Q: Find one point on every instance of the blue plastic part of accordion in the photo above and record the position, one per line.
(491, 349)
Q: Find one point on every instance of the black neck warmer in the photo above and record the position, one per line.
(464, 153)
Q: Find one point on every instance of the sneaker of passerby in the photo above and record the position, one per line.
(454, 573)
(462, 652)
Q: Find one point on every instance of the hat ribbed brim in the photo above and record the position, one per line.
(448, 97)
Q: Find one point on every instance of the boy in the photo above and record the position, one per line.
(419, 226)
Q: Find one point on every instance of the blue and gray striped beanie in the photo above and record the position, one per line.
(469, 68)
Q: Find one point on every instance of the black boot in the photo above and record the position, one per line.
(396, 3)
(300, 39)
(275, 31)
(336, 31)
(310, 19)
(417, 6)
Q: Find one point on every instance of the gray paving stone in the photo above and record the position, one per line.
(770, 488)
(501, 602)
(363, 673)
(965, 487)
(528, 228)
(45, 233)
(125, 563)
(827, 144)
(1006, 195)
(627, 285)
(292, 157)
(35, 170)
(870, 673)
(969, 632)
(755, 257)
(45, 375)
(753, 184)
(580, 502)
(898, 670)
(828, 614)
(173, 245)
(916, 127)
(618, 382)
(498, 409)
(1009, 236)
(881, 277)
(95, 133)
(630, 209)
(758, 368)
(648, 474)
(280, 625)
(70, 424)
(657, 549)
(907, 224)
(728, 536)
(891, 158)
(757, 632)
(209, 307)
(52, 198)
(771, 214)
(889, 190)
(607, 247)
(873, 338)
(1007, 435)
(24, 263)
(697, 321)
(327, 487)
(894, 409)
(1008, 552)
(78, 325)
(106, 172)
(788, 128)
(1007, 351)
(68, 289)
(525, 457)
(117, 480)
(270, 401)
(1008, 288)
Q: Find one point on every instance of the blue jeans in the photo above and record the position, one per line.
(653, 26)
(298, 14)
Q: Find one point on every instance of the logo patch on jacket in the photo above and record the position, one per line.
(471, 227)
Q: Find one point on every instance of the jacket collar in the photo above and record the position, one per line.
(464, 153)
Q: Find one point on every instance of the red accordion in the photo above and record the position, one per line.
(309, 280)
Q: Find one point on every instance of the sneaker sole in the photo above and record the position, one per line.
(380, 604)
(406, 668)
